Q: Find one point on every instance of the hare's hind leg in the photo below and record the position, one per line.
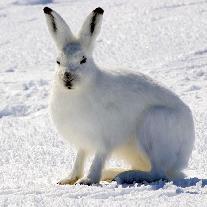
(109, 174)
(141, 167)
(167, 136)
(134, 156)
(136, 159)
(142, 170)
(77, 171)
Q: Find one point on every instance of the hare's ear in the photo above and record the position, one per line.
(91, 28)
(58, 28)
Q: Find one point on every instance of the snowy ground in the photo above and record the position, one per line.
(166, 39)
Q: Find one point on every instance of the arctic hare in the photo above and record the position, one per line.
(107, 113)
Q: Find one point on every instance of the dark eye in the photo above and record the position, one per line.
(58, 62)
(83, 60)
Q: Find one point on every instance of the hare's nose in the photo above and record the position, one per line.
(67, 75)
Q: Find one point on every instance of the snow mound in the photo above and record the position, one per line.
(17, 110)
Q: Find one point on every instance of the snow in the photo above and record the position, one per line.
(31, 2)
(165, 39)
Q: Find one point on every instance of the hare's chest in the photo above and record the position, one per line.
(65, 109)
(72, 116)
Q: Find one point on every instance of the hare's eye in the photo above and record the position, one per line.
(58, 62)
(83, 60)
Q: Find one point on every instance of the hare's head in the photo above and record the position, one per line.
(75, 53)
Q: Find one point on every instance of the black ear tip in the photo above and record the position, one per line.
(98, 10)
(47, 10)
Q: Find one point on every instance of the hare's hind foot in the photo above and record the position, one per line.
(136, 176)
(109, 175)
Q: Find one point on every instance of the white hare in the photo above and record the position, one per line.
(114, 113)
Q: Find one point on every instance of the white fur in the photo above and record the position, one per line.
(125, 114)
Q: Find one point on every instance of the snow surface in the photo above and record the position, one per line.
(31, 2)
(166, 39)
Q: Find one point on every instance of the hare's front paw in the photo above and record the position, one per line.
(68, 181)
(86, 181)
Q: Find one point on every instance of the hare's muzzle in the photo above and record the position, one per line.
(67, 75)
(68, 79)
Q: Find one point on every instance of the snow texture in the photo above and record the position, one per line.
(165, 39)
(31, 2)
